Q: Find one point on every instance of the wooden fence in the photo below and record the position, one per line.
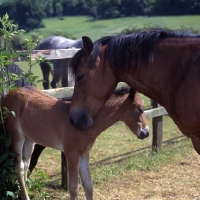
(156, 113)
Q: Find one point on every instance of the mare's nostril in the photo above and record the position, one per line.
(83, 118)
(84, 121)
(71, 120)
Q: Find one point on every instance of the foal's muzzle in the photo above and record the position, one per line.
(144, 133)
(80, 120)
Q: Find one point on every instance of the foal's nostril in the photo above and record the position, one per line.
(71, 120)
(143, 134)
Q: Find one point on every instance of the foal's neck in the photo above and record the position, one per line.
(109, 113)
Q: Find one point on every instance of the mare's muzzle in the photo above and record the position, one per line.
(80, 120)
(144, 133)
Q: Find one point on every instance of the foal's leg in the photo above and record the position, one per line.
(84, 170)
(73, 166)
(27, 152)
(196, 143)
(17, 146)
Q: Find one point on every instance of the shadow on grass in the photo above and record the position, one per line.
(137, 152)
(56, 183)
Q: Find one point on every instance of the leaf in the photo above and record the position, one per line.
(13, 154)
(8, 142)
(11, 162)
(3, 157)
(39, 81)
(9, 193)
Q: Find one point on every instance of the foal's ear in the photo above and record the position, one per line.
(132, 93)
(87, 45)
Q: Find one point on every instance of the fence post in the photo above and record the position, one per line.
(157, 125)
(64, 171)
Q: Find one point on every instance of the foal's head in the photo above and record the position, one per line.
(131, 111)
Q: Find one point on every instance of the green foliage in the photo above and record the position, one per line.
(8, 32)
(178, 7)
(30, 46)
(18, 43)
(36, 185)
(26, 13)
(36, 38)
(9, 185)
(29, 14)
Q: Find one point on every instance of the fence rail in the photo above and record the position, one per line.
(50, 54)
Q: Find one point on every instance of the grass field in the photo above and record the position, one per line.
(80, 26)
(122, 166)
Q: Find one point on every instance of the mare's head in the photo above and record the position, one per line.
(130, 108)
(93, 83)
(100, 66)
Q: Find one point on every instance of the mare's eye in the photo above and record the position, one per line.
(141, 110)
(80, 77)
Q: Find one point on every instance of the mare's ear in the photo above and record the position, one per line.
(87, 45)
(132, 93)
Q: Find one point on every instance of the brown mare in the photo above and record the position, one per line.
(44, 120)
(161, 64)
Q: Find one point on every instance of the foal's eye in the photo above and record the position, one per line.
(80, 77)
(141, 110)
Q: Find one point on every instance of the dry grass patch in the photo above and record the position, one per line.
(178, 181)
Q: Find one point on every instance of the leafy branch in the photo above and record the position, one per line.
(9, 186)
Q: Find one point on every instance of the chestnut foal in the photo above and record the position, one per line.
(44, 120)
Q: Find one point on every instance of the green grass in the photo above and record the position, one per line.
(35, 69)
(83, 26)
(125, 152)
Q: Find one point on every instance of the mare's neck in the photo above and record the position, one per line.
(165, 73)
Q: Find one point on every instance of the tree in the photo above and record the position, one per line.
(48, 8)
(58, 8)
(26, 13)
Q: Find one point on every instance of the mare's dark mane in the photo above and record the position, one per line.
(125, 90)
(122, 90)
(123, 49)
